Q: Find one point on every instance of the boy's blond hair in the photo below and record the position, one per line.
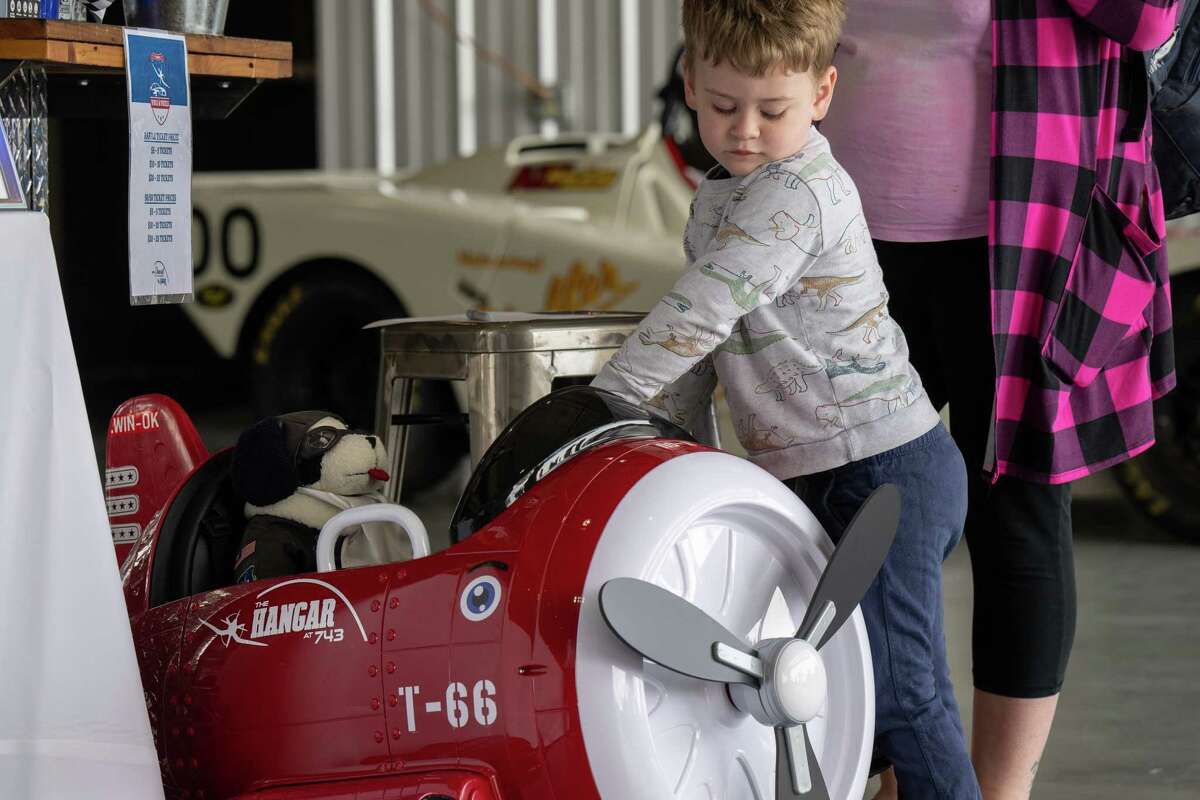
(756, 36)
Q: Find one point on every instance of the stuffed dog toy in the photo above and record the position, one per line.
(295, 471)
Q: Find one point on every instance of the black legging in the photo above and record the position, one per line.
(1018, 532)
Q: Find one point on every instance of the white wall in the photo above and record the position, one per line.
(608, 56)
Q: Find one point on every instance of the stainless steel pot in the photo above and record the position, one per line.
(186, 16)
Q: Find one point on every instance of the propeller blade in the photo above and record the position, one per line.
(853, 566)
(804, 783)
(672, 632)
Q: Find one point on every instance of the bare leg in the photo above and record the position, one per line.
(1007, 739)
(888, 789)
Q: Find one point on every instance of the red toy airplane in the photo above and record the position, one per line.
(490, 670)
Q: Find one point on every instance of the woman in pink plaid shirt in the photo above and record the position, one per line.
(1003, 154)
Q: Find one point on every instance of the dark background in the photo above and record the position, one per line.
(125, 350)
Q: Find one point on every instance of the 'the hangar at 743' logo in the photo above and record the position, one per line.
(313, 618)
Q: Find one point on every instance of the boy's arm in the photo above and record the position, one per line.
(683, 400)
(1138, 24)
(766, 241)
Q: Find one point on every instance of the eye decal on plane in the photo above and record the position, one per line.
(480, 598)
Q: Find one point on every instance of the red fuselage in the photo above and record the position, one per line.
(391, 678)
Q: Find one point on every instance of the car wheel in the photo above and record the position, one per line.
(1162, 482)
(309, 352)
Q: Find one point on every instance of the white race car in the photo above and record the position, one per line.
(288, 268)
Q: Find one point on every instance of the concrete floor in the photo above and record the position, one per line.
(1128, 725)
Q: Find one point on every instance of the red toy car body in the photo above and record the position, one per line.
(449, 676)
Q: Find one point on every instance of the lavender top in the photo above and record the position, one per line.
(910, 115)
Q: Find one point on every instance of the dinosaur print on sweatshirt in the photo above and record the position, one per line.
(869, 322)
(834, 367)
(879, 399)
(855, 236)
(715, 217)
(789, 229)
(895, 386)
(851, 415)
(821, 169)
(788, 298)
(678, 343)
(731, 230)
(759, 439)
(825, 287)
(746, 294)
(743, 342)
(670, 403)
(787, 378)
(677, 301)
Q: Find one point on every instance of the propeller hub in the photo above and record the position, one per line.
(798, 681)
(793, 686)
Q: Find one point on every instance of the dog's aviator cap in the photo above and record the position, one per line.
(266, 463)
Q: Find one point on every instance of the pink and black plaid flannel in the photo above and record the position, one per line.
(1081, 316)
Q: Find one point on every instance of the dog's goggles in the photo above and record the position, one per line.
(319, 441)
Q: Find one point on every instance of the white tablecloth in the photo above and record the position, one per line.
(73, 721)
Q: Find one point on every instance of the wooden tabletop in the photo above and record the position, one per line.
(84, 46)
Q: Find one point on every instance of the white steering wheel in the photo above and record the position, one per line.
(340, 524)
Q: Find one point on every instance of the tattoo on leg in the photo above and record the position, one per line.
(1033, 773)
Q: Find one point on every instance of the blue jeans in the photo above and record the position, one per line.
(917, 725)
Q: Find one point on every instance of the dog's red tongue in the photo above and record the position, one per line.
(377, 474)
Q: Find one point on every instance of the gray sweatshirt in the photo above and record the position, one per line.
(784, 301)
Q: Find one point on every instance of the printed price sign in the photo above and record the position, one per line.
(160, 168)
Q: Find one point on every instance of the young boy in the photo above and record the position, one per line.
(783, 296)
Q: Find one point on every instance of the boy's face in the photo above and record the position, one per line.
(746, 122)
